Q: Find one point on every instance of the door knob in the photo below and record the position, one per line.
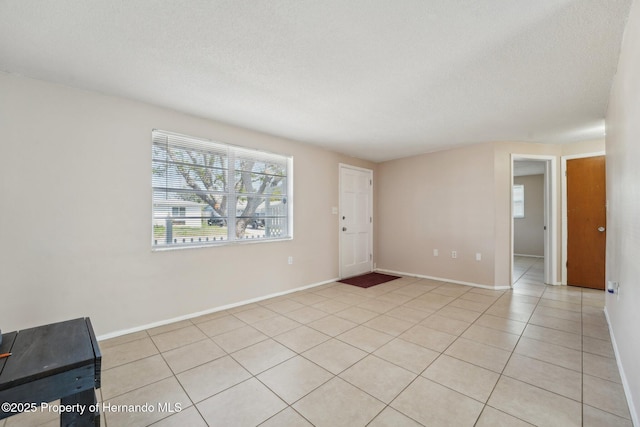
(601, 229)
(344, 228)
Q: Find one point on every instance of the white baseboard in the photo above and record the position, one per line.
(530, 256)
(208, 311)
(442, 279)
(623, 377)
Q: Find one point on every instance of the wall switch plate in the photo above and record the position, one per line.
(290, 260)
(454, 254)
(334, 210)
(435, 252)
(478, 256)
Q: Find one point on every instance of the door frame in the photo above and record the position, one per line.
(563, 174)
(342, 166)
(550, 215)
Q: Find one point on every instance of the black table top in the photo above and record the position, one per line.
(47, 350)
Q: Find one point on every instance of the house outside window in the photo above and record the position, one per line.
(207, 193)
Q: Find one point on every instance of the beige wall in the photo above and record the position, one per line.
(623, 215)
(75, 226)
(443, 201)
(528, 232)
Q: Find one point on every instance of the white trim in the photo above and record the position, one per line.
(625, 383)
(550, 215)
(208, 311)
(442, 279)
(563, 177)
(529, 256)
(370, 172)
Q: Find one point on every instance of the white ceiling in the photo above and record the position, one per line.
(376, 79)
(528, 167)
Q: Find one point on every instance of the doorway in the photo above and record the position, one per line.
(355, 221)
(533, 221)
(585, 216)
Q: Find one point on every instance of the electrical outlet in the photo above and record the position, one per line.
(454, 254)
(435, 252)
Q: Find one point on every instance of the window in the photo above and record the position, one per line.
(518, 201)
(209, 193)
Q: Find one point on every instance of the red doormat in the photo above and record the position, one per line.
(369, 279)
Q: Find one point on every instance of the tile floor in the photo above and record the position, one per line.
(409, 352)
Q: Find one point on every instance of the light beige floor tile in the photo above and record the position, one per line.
(379, 378)
(459, 314)
(306, 314)
(475, 296)
(262, 356)
(463, 377)
(332, 325)
(127, 352)
(163, 395)
(395, 298)
(124, 378)
(177, 338)
(388, 325)
(596, 331)
(412, 290)
(479, 354)
(284, 306)
(445, 324)
(493, 337)
(246, 404)
(307, 298)
(212, 377)
(221, 325)
(334, 355)
(169, 327)
(255, 315)
(559, 313)
(556, 323)
(429, 338)
(301, 339)
(550, 353)
(428, 302)
(276, 325)
(544, 375)
(112, 342)
(239, 338)
(491, 417)
(451, 290)
(509, 312)
(432, 404)
(192, 355)
(331, 306)
(378, 306)
(596, 346)
(409, 314)
(357, 315)
(601, 367)
(243, 307)
(287, 418)
(501, 324)
(554, 336)
(295, 378)
(596, 418)
(364, 338)
(338, 404)
(535, 405)
(406, 354)
(389, 417)
(466, 304)
(605, 395)
(187, 417)
(561, 304)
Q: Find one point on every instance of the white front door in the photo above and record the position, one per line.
(356, 221)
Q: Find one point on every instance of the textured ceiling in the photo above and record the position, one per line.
(370, 78)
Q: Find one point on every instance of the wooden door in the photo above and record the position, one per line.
(586, 222)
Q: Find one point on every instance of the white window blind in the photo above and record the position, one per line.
(518, 201)
(210, 193)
